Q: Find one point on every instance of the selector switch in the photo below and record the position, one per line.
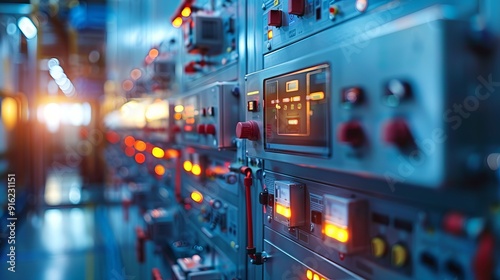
(247, 130)
(296, 7)
(275, 18)
(396, 132)
(351, 133)
(396, 91)
(316, 217)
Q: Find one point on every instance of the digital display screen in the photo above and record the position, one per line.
(297, 111)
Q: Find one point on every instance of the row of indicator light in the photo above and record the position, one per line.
(311, 275)
(314, 96)
(193, 168)
(141, 146)
(178, 21)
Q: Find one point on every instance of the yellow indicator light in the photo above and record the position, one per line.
(269, 34)
(296, 98)
(197, 197)
(140, 145)
(159, 170)
(177, 22)
(179, 108)
(309, 274)
(316, 277)
(186, 12)
(178, 116)
(196, 169)
(337, 233)
(253, 92)
(188, 166)
(283, 211)
(158, 152)
(317, 95)
(293, 122)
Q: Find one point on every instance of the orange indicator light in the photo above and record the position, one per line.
(159, 170)
(140, 145)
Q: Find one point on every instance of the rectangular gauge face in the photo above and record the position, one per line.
(297, 111)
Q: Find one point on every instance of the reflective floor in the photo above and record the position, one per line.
(78, 242)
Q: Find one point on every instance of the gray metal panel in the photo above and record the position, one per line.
(442, 150)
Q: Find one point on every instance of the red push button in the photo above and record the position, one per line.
(396, 132)
(247, 130)
(296, 7)
(275, 18)
(351, 133)
(201, 129)
(210, 129)
(454, 223)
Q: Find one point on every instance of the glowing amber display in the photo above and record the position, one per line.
(283, 211)
(337, 233)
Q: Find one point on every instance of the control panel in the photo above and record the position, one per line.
(287, 21)
(210, 36)
(394, 124)
(207, 117)
(357, 236)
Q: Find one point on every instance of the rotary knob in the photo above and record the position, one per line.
(247, 130)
